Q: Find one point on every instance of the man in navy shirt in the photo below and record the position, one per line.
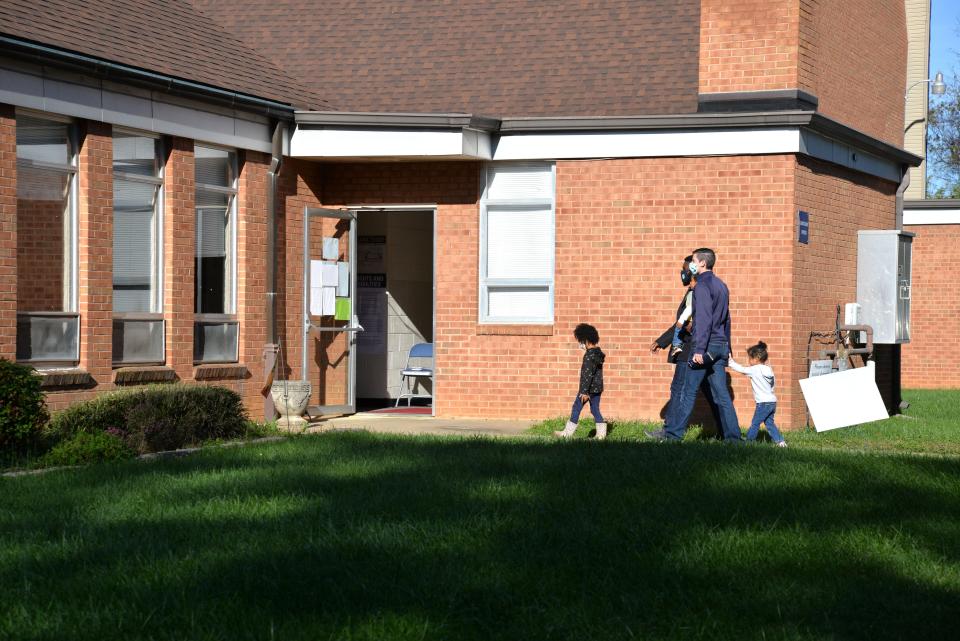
(710, 348)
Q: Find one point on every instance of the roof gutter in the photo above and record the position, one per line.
(397, 120)
(104, 69)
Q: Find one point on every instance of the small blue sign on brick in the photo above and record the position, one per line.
(804, 227)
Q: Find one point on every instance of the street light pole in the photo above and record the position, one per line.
(937, 88)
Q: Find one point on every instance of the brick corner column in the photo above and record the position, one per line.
(8, 233)
(252, 255)
(178, 268)
(95, 250)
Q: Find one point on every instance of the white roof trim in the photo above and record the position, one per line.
(931, 216)
(380, 143)
(348, 142)
(643, 144)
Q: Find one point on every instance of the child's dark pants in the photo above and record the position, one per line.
(594, 409)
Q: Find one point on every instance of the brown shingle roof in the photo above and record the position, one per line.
(170, 37)
(495, 57)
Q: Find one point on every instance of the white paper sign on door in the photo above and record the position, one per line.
(329, 301)
(343, 279)
(330, 274)
(316, 301)
(316, 273)
(331, 249)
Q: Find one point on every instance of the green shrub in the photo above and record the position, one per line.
(87, 447)
(157, 418)
(23, 410)
(96, 415)
(181, 415)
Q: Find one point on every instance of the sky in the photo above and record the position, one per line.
(944, 39)
(945, 57)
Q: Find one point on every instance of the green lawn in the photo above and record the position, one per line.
(360, 536)
(931, 425)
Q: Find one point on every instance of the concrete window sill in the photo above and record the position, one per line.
(62, 378)
(138, 375)
(515, 330)
(220, 371)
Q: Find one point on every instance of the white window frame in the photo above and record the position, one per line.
(155, 314)
(156, 303)
(71, 227)
(230, 309)
(229, 317)
(507, 283)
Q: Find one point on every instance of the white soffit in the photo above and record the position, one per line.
(346, 142)
(931, 216)
(340, 142)
(642, 144)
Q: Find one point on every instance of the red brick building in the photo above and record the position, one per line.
(503, 172)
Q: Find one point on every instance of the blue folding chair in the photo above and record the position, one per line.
(418, 353)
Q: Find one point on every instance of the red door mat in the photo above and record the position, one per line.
(423, 411)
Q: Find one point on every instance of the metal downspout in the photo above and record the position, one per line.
(273, 345)
(904, 183)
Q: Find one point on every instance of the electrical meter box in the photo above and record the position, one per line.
(883, 283)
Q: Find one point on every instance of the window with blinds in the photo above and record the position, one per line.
(216, 331)
(47, 322)
(215, 253)
(517, 244)
(137, 224)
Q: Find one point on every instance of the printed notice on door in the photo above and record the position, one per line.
(372, 313)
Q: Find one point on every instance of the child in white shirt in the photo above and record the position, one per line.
(681, 321)
(762, 379)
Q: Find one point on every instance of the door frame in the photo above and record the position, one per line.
(351, 328)
(433, 210)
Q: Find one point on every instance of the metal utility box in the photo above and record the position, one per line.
(883, 283)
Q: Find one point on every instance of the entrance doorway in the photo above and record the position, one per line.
(395, 306)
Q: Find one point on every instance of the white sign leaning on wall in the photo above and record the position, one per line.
(844, 398)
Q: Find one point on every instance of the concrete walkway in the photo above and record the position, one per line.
(420, 425)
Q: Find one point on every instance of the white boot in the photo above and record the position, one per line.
(567, 431)
(601, 431)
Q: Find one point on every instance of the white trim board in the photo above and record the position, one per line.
(371, 143)
(645, 144)
(345, 142)
(931, 216)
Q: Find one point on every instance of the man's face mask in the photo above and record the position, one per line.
(693, 268)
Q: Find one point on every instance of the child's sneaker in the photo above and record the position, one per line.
(782, 444)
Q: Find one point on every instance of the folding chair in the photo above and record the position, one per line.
(413, 373)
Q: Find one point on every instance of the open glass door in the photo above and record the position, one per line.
(329, 309)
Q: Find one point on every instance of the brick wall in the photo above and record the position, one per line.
(40, 267)
(178, 241)
(299, 186)
(623, 226)
(851, 54)
(748, 45)
(8, 232)
(853, 57)
(840, 202)
(252, 272)
(96, 243)
(95, 250)
(934, 320)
